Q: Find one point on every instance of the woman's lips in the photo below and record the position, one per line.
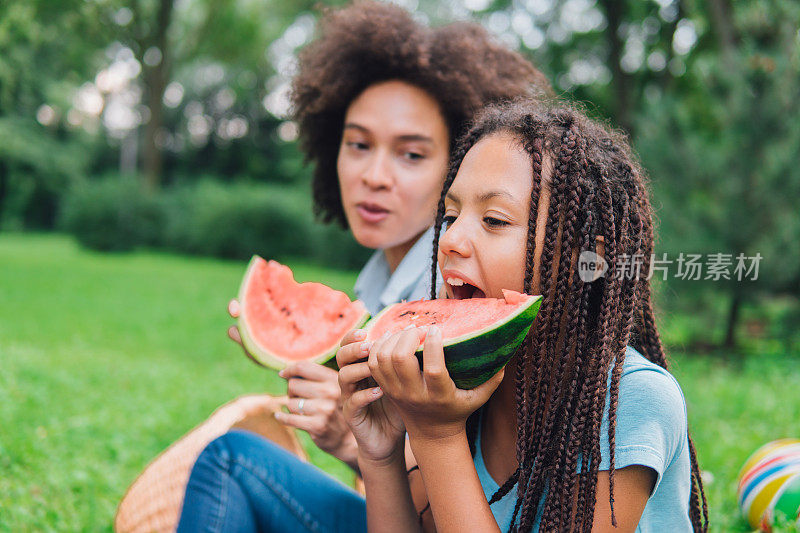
(371, 213)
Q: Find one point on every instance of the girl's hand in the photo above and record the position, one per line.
(373, 419)
(317, 387)
(430, 404)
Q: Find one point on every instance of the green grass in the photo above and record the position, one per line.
(107, 359)
(735, 407)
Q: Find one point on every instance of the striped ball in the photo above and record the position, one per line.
(769, 483)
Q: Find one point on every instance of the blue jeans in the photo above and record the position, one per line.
(244, 482)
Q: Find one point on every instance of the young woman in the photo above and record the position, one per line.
(379, 100)
(585, 429)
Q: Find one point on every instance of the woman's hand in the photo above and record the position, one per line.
(374, 420)
(430, 404)
(233, 331)
(320, 413)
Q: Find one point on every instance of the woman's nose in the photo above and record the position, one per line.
(455, 240)
(378, 173)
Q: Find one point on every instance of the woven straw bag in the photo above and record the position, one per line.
(153, 502)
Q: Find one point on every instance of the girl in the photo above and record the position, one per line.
(379, 100)
(584, 429)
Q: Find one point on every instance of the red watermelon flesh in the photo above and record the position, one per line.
(282, 321)
(454, 317)
(479, 334)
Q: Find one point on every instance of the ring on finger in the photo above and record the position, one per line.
(300, 405)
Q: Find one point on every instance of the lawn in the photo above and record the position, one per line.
(106, 359)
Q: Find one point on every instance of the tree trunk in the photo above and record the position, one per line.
(721, 18)
(155, 79)
(3, 187)
(668, 33)
(733, 320)
(621, 80)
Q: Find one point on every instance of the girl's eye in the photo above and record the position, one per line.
(447, 220)
(494, 222)
(413, 156)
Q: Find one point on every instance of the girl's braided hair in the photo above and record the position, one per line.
(365, 43)
(597, 190)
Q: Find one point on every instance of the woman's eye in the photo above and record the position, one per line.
(413, 156)
(357, 145)
(494, 222)
(447, 220)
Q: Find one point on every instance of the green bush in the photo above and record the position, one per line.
(235, 221)
(334, 247)
(112, 214)
(36, 169)
(207, 217)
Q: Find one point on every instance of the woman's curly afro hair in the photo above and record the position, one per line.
(459, 65)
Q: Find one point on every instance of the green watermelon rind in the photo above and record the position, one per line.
(473, 358)
(265, 358)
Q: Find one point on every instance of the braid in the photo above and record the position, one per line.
(502, 491)
(628, 298)
(596, 391)
(698, 494)
(525, 365)
(575, 409)
(558, 410)
(538, 389)
(532, 473)
(536, 163)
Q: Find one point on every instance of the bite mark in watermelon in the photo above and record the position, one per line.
(282, 322)
(479, 334)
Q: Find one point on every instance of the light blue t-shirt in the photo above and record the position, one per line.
(651, 431)
(377, 286)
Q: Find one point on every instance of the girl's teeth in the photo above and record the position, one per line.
(456, 282)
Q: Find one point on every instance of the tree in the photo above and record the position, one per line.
(39, 156)
(727, 139)
(173, 43)
(154, 52)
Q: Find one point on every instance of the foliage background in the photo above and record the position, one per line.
(161, 125)
(139, 122)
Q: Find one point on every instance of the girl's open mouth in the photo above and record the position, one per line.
(463, 290)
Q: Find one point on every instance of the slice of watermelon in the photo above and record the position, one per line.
(282, 322)
(479, 334)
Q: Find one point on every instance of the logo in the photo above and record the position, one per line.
(591, 266)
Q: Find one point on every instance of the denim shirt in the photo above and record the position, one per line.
(377, 286)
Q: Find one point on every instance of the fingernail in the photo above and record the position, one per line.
(410, 326)
(365, 346)
(360, 334)
(376, 391)
(279, 416)
(280, 374)
(434, 331)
